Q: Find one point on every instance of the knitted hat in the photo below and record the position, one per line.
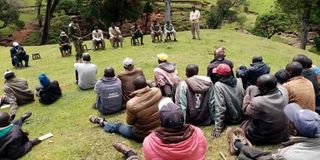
(8, 74)
(162, 57)
(171, 116)
(44, 80)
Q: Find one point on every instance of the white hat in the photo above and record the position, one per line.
(15, 44)
(127, 62)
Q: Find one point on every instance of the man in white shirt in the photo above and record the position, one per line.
(97, 38)
(115, 36)
(194, 19)
(86, 73)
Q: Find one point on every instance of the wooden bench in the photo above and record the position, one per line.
(36, 56)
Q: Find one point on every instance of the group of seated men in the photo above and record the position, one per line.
(164, 113)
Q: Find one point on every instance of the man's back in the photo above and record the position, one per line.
(143, 112)
(87, 75)
(301, 92)
(18, 88)
(109, 95)
(14, 144)
(127, 78)
(267, 122)
(50, 94)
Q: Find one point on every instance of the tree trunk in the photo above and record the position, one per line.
(305, 29)
(39, 3)
(146, 23)
(45, 32)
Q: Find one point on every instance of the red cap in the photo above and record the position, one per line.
(222, 69)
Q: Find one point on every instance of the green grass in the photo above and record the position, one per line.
(260, 6)
(74, 136)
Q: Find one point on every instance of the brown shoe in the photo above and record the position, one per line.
(240, 135)
(231, 140)
(96, 120)
(122, 148)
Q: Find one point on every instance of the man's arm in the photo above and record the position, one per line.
(159, 78)
(181, 98)
(17, 149)
(220, 109)
(130, 116)
(212, 103)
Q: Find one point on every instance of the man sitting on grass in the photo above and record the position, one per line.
(196, 97)
(18, 54)
(10, 101)
(263, 105)
(299, 88)
(109, 93)
(86, 73)
(228, 93)
(17, 89)
(307, 147)
(127, 76)
(49, 91)
(166, 76)
(14, 143)
(142, 113)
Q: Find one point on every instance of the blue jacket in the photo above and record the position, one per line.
(109, 95)
(251, 75)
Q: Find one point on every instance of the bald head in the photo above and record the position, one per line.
(192, 70)
(266, 83)
(139, 82)
(4, 119)
(109, 72)
(294, 69)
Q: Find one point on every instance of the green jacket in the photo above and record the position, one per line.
(74, 31)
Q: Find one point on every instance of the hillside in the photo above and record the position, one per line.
(76, 138)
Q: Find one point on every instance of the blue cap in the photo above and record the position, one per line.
(44, 80)
(306, 122)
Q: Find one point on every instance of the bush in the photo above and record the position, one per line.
(58, 24)
(316, 42)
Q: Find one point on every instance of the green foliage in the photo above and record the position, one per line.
(316, 42)
(58, 24)
(241, 19)
(9, 14)
(271, 23)
(222, 11)
(68, 6)
(148, 7)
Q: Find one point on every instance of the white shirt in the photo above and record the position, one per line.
(195, 16)
(87, 73)
(97, 35)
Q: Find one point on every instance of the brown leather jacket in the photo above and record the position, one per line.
(142, 111)
(127, 78)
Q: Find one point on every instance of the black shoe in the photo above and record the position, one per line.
(175, 40)
(26, 65)
(12, 117)
(97, 120)
(25, 116)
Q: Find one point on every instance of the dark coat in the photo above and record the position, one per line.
(50, 94)
(15, 144)
(214, 64)
(251, 75)
(266, 123)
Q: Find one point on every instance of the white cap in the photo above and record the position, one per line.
(15, 44)
(127, 62)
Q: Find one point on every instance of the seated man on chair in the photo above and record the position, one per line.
(156, 31)
(18, 54)
(97, 38)
(64, 43)
(136, 33)
(169, 30)
(115, 36)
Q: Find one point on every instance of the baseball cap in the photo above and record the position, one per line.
(171, 116)
(15, 44)
(63, 34)
(162, 57)
(8, 74)
(128, 62)
(306, 122)
(222, 69)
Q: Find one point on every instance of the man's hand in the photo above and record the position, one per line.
(35, 141)
(216, 134)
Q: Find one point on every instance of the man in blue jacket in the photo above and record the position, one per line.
(18, 54)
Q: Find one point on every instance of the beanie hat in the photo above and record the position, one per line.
(171, 116)
(44, 80)
(162, 57)
(8, 74)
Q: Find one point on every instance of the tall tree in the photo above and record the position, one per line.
(302, 10)
(51, 5)
(8, 13)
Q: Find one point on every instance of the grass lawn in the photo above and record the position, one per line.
(76, 138)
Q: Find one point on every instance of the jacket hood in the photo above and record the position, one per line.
(168, 67)
(231, 81)
(108, 79)
(5, 130)
(199, 84)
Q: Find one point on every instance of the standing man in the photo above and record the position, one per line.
(194, 19)
(75, 35)
(97, 38)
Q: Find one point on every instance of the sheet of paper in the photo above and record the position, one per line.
(46, 136)
(5, 106)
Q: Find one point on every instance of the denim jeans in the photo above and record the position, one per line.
(119, 128)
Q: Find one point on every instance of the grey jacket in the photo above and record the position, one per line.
(228, 102)
(109, 95)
